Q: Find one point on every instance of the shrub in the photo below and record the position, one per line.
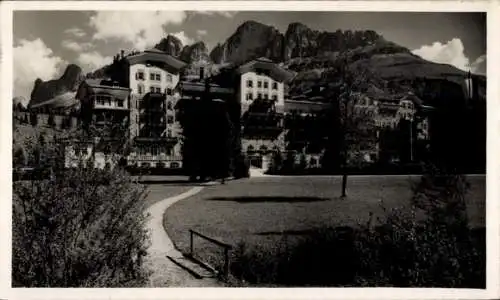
(289, 163)
(303, 162)
(80, 227)
(276, 163)
(242, 167)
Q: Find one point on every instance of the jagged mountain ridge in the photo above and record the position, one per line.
(44, 91)
(308, 52)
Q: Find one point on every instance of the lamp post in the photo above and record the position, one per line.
(411, 139)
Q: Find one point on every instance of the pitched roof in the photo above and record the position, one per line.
(64, 100)
(97, 86)
(198, 87)
(412, 97)
(275, 72)
(158, 56)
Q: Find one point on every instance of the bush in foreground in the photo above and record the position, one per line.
(80, 227)
(428, 245)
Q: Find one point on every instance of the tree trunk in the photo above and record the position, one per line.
(344, 184)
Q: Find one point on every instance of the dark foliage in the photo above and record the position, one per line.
(78, 227)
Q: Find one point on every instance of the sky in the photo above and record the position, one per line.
(45, 42)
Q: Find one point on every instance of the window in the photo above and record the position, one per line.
(275, 85)
(259, 96)
(152, 89)
(158, 77)
(259, 84)
(81, 151)
(154, 151)
(266, 97)
(275, 98)
(139, 75)
(140, 89)
(158, 90)
(250, 149)
(169, 78)
(151, 76)
(119, 103)
(102, 100)
(169, 92)
(249, 83)
(249, 96)
(266, 85)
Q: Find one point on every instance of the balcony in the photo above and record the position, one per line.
(156, 139)
(155, 96)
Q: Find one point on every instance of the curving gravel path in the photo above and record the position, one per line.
(165, 272)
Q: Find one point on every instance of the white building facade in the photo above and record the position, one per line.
(153, 78)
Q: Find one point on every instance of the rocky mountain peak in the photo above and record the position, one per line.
(197, 52)
(250, 40)
(171, 45)
(68, 82)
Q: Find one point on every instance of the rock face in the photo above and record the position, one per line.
(47, 90)
(197, 57)
(171, 45)
(251, 40)
(195, 53)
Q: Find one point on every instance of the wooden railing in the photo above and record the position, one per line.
(227, 248)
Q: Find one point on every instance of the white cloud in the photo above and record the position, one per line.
(201, 32)
(140, 28)
(224, 13)
(479, 65)
(77, 47)
(78, 32)
(451, 52)
(90, 61)
(181, 35)
(32, 60)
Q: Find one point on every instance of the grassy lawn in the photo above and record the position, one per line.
(259, 210)
(159, 190)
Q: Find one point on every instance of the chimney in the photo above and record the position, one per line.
(202, 72)
(122, 53)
